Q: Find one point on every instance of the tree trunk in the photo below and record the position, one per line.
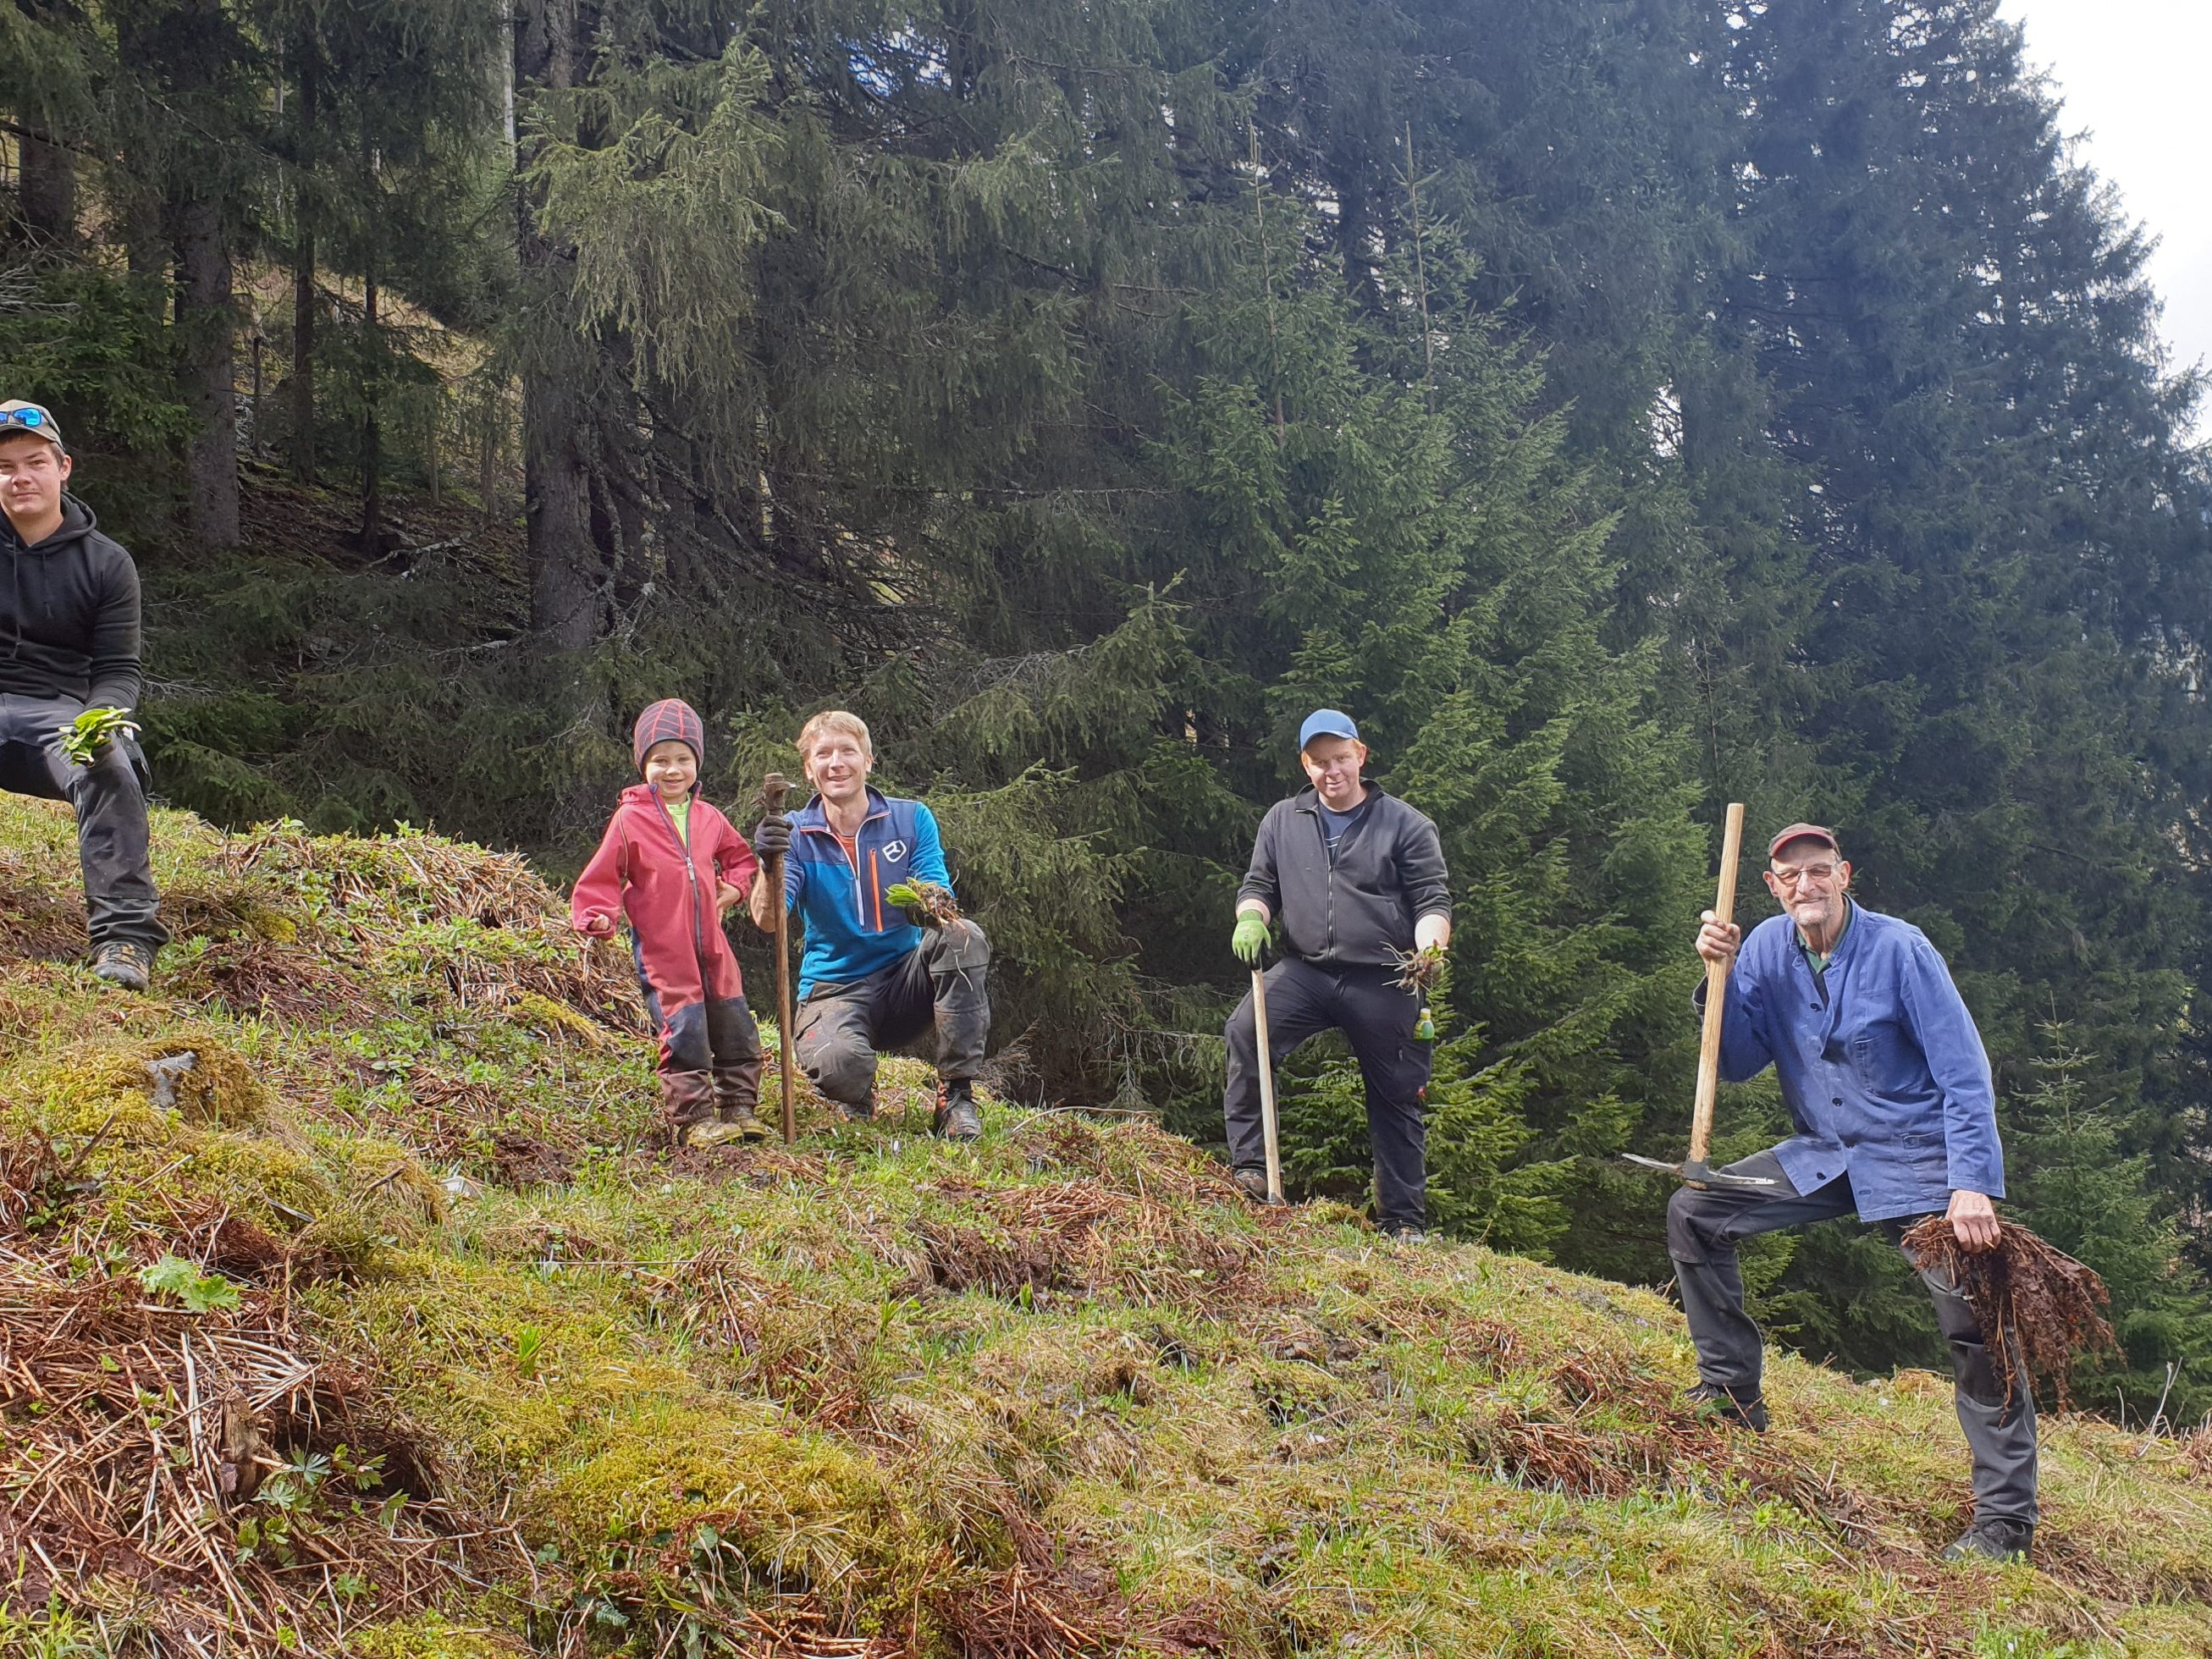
(567, 566)
(568, 573)
(206, 323)
(303, 287)
(372, 439)
(303, 357)
(48, 192)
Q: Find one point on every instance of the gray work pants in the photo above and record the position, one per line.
(1703, 1226)
(1376, 1016)
(110, 799)
(841, 1029)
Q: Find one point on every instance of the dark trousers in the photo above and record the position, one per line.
(1702, 1227)
(1377, 1018)
(110, 799)
(842, 1029)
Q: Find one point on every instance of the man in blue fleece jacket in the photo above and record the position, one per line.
(1889, 1089)
(870, 978)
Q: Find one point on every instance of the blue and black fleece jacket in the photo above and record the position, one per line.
(852, 930)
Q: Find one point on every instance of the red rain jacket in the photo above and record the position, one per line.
(644, 871)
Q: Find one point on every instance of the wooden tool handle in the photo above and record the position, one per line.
(1716, 979)
(773, 788)
(1271, 1134)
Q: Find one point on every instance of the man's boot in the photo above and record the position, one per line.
(1253, 1184)
(957, 1117)
(1992, 1540)
(125, 962)
(687, 1103)
(1709, 1402)
(737, 1092)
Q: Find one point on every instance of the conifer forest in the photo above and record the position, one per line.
(1622, 407)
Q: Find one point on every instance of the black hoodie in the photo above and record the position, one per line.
(69, 615)
(1358, 909)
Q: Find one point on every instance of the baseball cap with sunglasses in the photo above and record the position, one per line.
(17, 416)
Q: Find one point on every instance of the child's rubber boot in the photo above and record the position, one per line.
(687, 1102)
(736, 1091)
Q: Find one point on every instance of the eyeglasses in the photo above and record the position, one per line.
(34, 417)
(1820, 872)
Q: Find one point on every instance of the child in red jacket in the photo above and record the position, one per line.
(673, 864)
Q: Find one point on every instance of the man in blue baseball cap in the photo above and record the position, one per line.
(1353, 877)
(69, 643)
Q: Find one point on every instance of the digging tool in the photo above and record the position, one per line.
(773, 788)
(1266, 1088)
(1697, 1170)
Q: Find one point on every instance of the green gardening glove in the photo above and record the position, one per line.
(1249, 941)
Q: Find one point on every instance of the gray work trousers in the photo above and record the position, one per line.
(110, 799)
(1703, 1226)
(840, 1029)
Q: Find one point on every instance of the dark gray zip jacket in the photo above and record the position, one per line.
(69, 615)
(1389, 873)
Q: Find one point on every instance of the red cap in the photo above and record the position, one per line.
(1802, 832)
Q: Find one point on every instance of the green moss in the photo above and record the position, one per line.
(431, 1635)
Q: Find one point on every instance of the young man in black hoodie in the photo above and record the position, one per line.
(1354, 877)
(68, 641)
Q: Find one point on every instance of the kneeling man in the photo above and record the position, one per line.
(870, 979)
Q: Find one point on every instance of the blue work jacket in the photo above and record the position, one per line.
(1882, 1067)
(852, 930)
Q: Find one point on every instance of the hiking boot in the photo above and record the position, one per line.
(125, 962)
(713, 1131)
(957, 1117)
(1992, 1540)
(1253, 1184)
(1709, 1402)
(1405, 1236)
(863, 1112)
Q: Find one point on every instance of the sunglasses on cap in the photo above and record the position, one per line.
(30, 415)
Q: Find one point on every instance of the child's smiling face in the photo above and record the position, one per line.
(672, 769)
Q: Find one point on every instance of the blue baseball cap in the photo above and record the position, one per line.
(1326, 723)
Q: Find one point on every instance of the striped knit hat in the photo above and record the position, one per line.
(670, 720)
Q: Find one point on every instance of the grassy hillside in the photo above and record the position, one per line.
(377, 1325)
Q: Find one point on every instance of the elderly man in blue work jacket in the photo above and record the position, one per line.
(1889, 1088)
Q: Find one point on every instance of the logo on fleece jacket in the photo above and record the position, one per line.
(894, 853)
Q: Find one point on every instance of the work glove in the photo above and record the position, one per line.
(771, 836)
(1249, 941)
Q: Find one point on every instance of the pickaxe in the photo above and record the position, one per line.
(1698, 1170)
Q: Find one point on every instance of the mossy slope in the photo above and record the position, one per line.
(1059, 1393)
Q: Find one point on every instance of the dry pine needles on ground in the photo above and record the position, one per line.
(179, 1462)
(2050, 1306)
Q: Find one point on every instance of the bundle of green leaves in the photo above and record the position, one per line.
(83, 738)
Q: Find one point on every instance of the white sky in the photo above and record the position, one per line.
(2132, 73)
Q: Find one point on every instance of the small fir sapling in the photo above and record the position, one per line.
(925, 903)
(1421, 972)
